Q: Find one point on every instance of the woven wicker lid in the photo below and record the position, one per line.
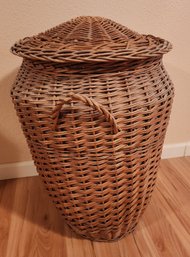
(92, 39)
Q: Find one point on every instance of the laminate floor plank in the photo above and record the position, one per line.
(30, 226)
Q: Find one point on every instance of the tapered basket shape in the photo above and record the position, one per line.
(94, 101)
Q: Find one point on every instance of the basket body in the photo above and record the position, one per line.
(94, 102)
(100, 180)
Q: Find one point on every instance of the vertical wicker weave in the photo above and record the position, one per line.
(94, 102)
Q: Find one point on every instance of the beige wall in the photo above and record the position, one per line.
(169, 19)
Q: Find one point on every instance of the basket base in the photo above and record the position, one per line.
(96, 239)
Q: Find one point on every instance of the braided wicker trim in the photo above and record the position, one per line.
(89, 102)
(88, 39)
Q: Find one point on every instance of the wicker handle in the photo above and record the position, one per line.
(89, 102)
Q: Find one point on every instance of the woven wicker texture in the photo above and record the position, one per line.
(95, 129)
(90, 39)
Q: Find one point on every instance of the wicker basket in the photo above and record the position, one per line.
(94, 102)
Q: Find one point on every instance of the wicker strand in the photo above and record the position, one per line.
(89, 102)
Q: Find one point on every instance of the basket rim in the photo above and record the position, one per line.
(90, 39)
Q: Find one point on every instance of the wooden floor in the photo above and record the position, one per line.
(31, 227)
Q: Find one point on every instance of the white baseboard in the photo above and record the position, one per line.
(187, 149)
(27, 169)
(173, 150)
(17, 170)
(176, 150)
